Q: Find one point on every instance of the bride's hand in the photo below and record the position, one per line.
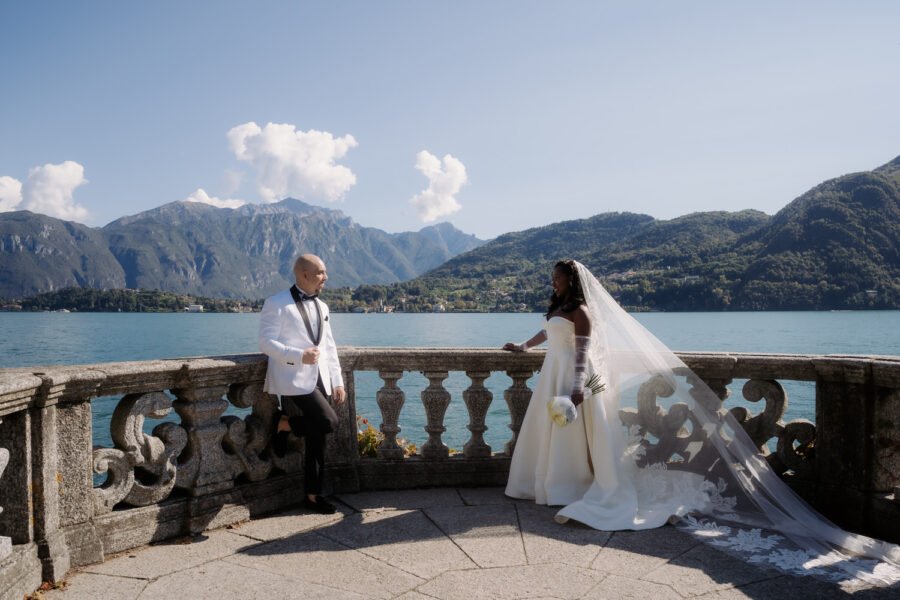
(577, 398)
(512, 347)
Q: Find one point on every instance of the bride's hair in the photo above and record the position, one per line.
(574, 297)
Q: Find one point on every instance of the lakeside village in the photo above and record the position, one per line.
(153, 301)
(633, 290)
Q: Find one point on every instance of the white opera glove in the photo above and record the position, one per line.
(582, 344)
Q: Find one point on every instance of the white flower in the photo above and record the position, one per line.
(561, 410)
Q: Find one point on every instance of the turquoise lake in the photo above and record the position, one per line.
(30, 339)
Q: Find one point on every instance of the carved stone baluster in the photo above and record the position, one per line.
(436, 400)
(206, 468)
(390, 399)
(517, 397)
(478, 400)
(5, 542)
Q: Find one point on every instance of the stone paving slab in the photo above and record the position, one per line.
(316, 559)
(405, 539)
(785, 587)
(91, 586)
(614, 587)
(531, 581)
(703, 569)
(285, 524)
(438, 544)
(633, 554)
(168, 557)
(548, 541)
(487, 495)
(227, 581)
(402, 499)
(488, 534)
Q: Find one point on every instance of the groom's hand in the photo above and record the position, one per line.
(339, 395)
(310, 356)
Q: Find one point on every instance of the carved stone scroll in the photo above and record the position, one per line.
(668, 427)
(119, 471)
(436, 400)
(245, 439)
(141, 469)
(765, 425)
(799, 458)
(478, 400)
(517, 397)
(390, 399)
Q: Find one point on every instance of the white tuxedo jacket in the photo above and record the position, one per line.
(283, 337)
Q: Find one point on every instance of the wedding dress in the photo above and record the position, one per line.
(657, 446)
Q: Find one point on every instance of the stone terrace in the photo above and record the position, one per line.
(464, 543)
(207, 464)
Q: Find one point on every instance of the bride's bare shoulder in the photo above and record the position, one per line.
(581, 318)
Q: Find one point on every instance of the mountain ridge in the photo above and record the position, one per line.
(836, 246)
(195, 248)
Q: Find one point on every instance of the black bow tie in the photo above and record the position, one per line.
(304, 296)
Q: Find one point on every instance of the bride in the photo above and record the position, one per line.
(597, 442)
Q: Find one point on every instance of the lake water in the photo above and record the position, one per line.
(30, 339)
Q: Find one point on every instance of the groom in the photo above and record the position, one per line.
(303, 369)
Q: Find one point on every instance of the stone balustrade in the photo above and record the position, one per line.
(200, 468)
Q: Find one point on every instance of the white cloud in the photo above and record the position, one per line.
(445, 178)
(289, 162)
(201, 196)
(10, 193)
(49, 188)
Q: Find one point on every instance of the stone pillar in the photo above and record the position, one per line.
(5, 541)
(436, 400)
(886, 422)
(52, 548)
(517, 397)
(390, 399)
(15, 493)
(478, 400)
(76, 496)
(342, 445)
(205, 469)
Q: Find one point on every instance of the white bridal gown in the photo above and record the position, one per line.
(584, 466)
(714, 480)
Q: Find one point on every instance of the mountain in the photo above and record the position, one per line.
(194, 248)
(40, 254)
(835, 247)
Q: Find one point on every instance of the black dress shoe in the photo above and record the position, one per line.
(280, 443)
(296, 424)
(319, 505)
(280, 438)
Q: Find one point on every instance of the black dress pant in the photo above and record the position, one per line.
(317, 421)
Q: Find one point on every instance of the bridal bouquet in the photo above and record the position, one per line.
(562, 411)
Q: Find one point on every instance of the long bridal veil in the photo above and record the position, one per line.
(677, 442)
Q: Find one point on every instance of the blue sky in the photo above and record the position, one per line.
(496, 116)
